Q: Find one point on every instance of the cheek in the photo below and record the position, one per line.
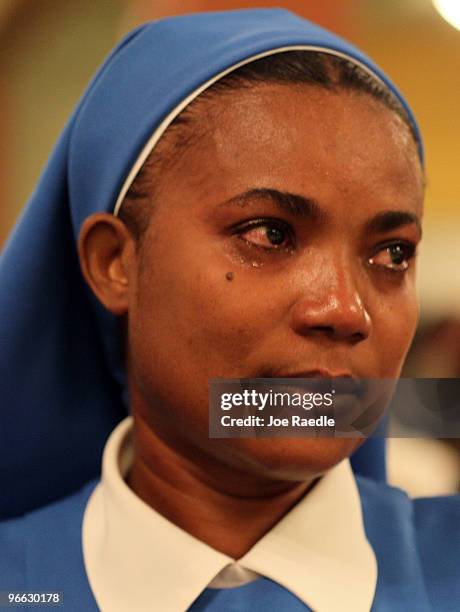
(188, 322)
(395, 322)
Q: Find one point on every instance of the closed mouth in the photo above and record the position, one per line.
(320, 381)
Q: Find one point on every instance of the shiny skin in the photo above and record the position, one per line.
(324, 302)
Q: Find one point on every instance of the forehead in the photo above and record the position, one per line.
(301, 139)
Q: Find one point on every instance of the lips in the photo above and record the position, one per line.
(357, 405)
(322, 381)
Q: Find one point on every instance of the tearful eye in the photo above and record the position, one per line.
(266, 234)
(275, 235)
(395, 256)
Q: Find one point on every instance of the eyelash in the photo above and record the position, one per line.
(408, 247)
(409, 251)
(269, 222)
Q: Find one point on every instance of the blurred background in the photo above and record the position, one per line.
(49, 50)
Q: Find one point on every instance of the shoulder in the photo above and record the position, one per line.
(388, 522)
(433, 521)
(437, 524)
(421, 533)
(38, 543)
(382, 503)
(429, 510)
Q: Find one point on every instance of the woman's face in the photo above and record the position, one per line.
(281, 244)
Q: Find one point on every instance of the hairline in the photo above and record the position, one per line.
(153, 155)
(205, 88)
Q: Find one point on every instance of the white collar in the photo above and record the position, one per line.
(134, 556)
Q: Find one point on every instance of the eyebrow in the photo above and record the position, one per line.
(301, 206)
(392, 219)
(296, 205)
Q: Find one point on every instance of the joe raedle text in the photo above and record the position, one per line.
(277, 422)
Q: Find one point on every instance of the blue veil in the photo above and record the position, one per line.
(61, 370)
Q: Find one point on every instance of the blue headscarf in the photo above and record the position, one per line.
(61, 370)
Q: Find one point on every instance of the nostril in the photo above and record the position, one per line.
(358, 337)
(343, 331)
(322, 329)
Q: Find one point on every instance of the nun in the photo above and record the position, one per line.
(237, 195)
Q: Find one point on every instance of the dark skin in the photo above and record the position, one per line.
(322, 284)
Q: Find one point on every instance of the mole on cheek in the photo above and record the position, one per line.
(229, 276)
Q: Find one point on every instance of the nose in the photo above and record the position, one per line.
(332, 306)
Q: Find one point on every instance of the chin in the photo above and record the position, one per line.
(291, 458)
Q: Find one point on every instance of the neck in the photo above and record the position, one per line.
(224, 507)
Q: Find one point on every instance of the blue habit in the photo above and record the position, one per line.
(61, 371)
(416, 543)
